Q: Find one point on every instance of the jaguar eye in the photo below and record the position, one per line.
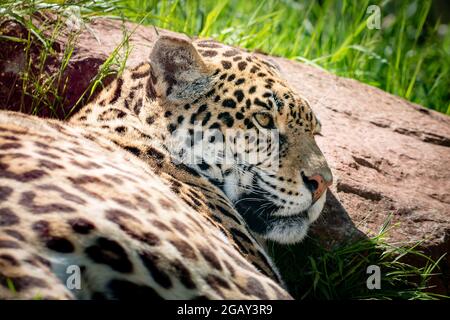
(265, 120)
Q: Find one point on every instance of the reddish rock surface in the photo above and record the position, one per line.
(388, 156)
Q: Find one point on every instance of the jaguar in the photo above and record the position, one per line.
(166, 186)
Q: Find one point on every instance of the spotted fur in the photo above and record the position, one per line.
(109, 190)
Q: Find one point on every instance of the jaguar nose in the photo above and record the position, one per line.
(317, 184)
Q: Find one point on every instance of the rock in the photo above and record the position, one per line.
(388, 155)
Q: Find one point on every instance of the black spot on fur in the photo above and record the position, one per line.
(255, 288)
(110, 253)
(7, 217)
(133, 150)
(9, 259)
(144, 203)
(209, 53)
(10, 138)
(215, 125)
(261, 103)
(22, 282)
(180, 226)
(116, 214)
(27, 201)
(186, 250)
(55, 243)
(10, 145)
(206, 118)
(226, 64)
(230, 268)
(184, 275)
(229, 103)
(140, 74)
(49, 165)
(240, 235)
(175, 185)
(124, 202)
(81, 226)
(150, 262)
(155, 154)
(226, 118)
(227, 213)
(137, 106)
(117, 91)
(216, 283)
(248, 123)
(254, 69)
(120, 129)
(211, 258)
(150, 90)
(171, 127)
(200, 110)
(160, 225)
(242, 65)
(150, 120)
(210, 93)
(189, 170)
(8, 244)
(60, 244)
(15, 234)
(239, 116)
(153, 77)
(119, 217)
(208, 44)
(230, 53)
(204, 166)
(239, 95)
(26, 176)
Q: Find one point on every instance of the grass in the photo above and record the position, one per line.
(314, 272)
(43, 89)
(408, 56)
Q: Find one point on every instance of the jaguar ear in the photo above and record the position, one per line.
(178, 70)
(273, 64)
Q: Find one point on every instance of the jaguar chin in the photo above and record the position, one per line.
(268, 220)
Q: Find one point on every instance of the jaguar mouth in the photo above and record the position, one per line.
(258, 212)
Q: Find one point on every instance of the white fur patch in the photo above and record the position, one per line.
(316, 209)
(230, 186)
(288, 234)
